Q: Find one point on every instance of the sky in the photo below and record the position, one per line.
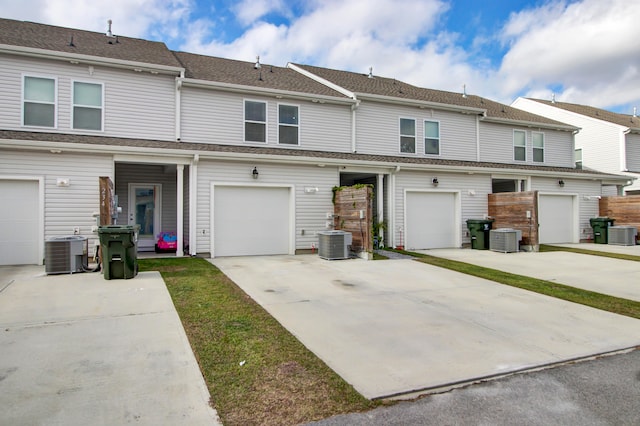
(580, 51)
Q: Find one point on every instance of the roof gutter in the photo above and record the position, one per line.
(76, 58)
(563, 127)
(421, 104)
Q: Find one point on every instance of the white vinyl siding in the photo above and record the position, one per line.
(70, 206)
(88, 106)
(431, 137)
(255, 121)
(310, 208)
(39, 101)
(377, 130)
(288, 124)
(519, 145)
(407, 136)
(210, 116)
(633, 152)
(537, 142)
(138, 105)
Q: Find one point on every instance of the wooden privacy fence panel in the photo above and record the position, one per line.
(348, 203)
(624, 209)
(509, 210)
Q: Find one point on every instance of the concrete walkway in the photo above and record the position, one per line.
(393, 327)
(615, 277)
(81, 350)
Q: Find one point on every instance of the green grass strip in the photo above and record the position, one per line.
(547, 248)
(593, 299)
(256, 371)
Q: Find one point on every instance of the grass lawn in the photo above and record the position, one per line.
(591, 252)
(256, 371)
(604, 302)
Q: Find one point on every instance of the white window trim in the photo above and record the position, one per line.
(415, 135)
(533, 147)
(575, 159)
(265, 122)
(55, 100)
(513, 142)
(289, 125)
(73, 105)
(424, 139)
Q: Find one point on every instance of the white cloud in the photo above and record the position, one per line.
(249, 11)
(591, 49)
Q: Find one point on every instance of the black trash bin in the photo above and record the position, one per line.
(119, 245)
(479, 233)
(600, 227)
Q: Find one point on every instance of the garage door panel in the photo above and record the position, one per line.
(251, 221)
(555, 216)
(19, 222)
(430, 220)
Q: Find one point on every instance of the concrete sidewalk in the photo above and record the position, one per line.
(615, 277)
(393, 327)
(78, 349)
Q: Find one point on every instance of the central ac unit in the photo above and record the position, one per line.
(333, 245)
(622, 235)
(505, 240)
(66, 255)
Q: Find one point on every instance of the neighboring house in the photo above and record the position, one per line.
(240, 158)
(607, 141)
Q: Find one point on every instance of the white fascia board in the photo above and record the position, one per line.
(321, 80)
(421, 104)
(238, 88)
(90, 60)
(562, 127)
(180, 156)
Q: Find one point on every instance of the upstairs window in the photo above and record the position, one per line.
(407, 136)
(537, 140)
(39, 102)
(255, 121)
(578, 158)
(87, 106)
(432, 137)
(288, 125)
(519, 145)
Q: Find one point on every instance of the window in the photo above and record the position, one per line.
(87, 106)
(519, 145)
(255, 121)
(39, 102)
(537, 139)
(408, 135)
(578, 158)
(432, 137)
(288, 124)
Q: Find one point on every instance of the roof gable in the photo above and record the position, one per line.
(625, 120)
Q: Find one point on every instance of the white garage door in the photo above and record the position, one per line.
(250, 221)
(431, 220)
(555, 216)
(19, 222)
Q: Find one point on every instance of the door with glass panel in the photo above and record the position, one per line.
(145, 205)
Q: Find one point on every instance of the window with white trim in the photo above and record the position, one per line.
(519, 145)
(432, 137)
(39, 101)
(578, 157)
(288, 124)
(88, 105)
(408, 135)
(255, 121)
(537, 141)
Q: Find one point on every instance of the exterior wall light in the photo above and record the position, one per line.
(561, 183)
(255, 173)
(434, 181)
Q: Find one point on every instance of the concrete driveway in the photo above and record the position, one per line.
(398, 326)
(81, 350)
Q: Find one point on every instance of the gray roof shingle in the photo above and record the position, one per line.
(626, 120)
(69, 40)
(242, 73)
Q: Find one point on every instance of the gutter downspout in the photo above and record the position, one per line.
(391, 196)
(178, 107)
(353, 125)
(623, 150)
(478, 135)
(193, 196)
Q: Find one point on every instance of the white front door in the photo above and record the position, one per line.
(556, 218)
(145, 205)
(431, 220)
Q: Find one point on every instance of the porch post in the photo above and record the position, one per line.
(380, 201)
(180, 212)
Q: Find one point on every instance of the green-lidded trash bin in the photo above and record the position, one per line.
(600, 227)
(479, 233)
(119, 245)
